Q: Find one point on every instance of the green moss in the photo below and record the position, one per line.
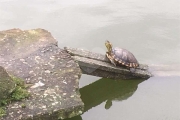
(20, 91)
(18, 94)
(18, 81)
(23, 105)
(2, 111)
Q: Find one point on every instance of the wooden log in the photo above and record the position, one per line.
(98, 65)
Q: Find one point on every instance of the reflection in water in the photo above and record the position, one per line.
(106, 90)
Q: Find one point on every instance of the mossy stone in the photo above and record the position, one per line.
(7, 85)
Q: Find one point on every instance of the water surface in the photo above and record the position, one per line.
(149, 29)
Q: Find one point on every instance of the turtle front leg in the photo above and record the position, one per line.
(113, 62)
(110, 58)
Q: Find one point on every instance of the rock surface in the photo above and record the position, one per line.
(7, 85)
(33, 55)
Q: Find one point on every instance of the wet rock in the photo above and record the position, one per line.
(7, 85)
(33, 55)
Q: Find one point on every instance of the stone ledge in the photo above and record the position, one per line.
(33, 55)
(98, 65)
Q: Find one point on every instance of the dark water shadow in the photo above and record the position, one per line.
(106, 90)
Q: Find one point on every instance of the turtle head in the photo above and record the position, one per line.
(108, 46)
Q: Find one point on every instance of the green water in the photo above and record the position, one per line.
(149, 29)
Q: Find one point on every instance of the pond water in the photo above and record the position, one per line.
(149, 29)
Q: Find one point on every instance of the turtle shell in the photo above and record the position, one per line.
(124, 57)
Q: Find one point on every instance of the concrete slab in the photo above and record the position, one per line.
(98, 65)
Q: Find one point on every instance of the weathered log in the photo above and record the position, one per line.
(98, 65)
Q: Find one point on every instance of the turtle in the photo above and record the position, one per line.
(120, 56)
